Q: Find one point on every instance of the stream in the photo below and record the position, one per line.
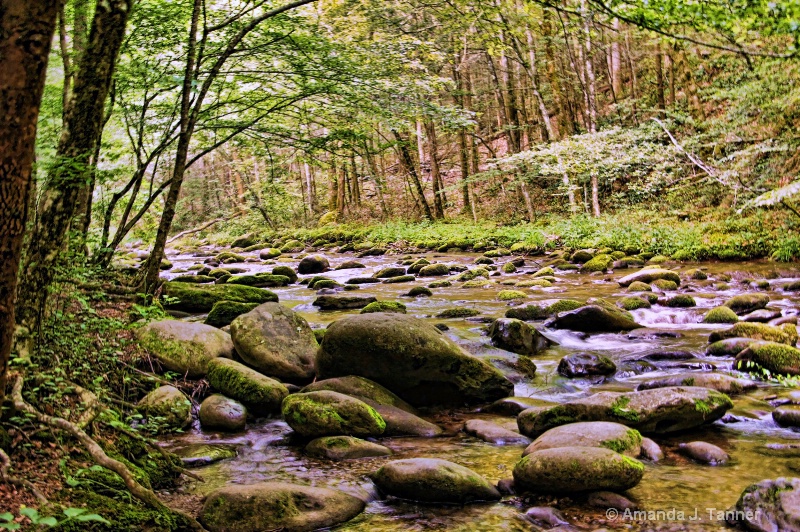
(267, 451)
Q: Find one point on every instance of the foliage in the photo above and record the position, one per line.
(78, 515)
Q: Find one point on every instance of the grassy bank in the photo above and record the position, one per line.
(718, 235)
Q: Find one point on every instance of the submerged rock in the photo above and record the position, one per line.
(403, 423)
(203, 454)
(276, 341)
(517, 336)
(277, 506)
(595, 318)
(185, 347)
(614, 436)
(494, 433)
(787, 415)
(409, 357)
(326, 413)
(715, 381)
(433, 480)
(769, 506)
(576, 469)
(658, 411)
(345, 448)
(705, 453)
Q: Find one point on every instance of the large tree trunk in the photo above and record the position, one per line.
(616, 62)
(26, 30)
(436, 176)
(408, 163)
(76, 148)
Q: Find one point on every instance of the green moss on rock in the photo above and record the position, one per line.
(384, 306)
(721, 314)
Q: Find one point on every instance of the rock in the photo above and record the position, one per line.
(362, 280)
(415, 266)
(664, 285)
(769, 506)
(782, 320)
(433, 480)
(599, 263)
(269, 253)
(509, 267)
(510, 295)
(193, 279)
(411, 358)
(286, 271)
(778, 358)
(326, 413)
(403, 423)
(511, 406)
(494, 433)
(343, 302)
(705, 453)
(400, 279)
(168, 403)
(729, 347)
(638, 286)
(185, 347)
(680, 301)
(219, 412)
(458, 312)
(228, 257)
(785, 334)
(276, 341)
(563, 305)
(659, 411)
(292, 246)
(260, 280)
(745, 303)
(386, 273)
(594, 318)
(440, 284)
(384, 306)
(651, 450)
(360, 388)
(349, 265)
(715, 381)
(721, 314)
(277, 506)
(787, 415)
(260, 394)
(633, 303)
(203, 454)
(517, 336)
(344, 448)
(545, 516)
(190, 297)
(224, 312)
(527, 313)
(648, 275)
(419, 291)
(576, 469)
(434, 270)
(614, 436)
(609, 499)
(586, 364)
(582, 255)
(313, 264)
(763, 315)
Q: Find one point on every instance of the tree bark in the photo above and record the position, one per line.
(73, 167)
(26, 31)
(408, 163)
(659, 79)
(616, 63)
(436, 177)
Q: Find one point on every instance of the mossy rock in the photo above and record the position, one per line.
(260, 394)
(527, 313)
(785, 334)
(633, 303)
(509, 267)
(792, 287)
(746, 303)
(343, 302)
(433, 480)
(203, 454)
(344, 448)
(664, 285)
(582, 255)
(319, 334)
(269, 253)
(599, 263)
(123, 516)
(543, 283)
(569, 470)
(616, 255)
(328, 413)
(649, 275)
(218, 412)
(323, 284)
(285, 271)
(602, 434)
(510, 295)
(440, 284)
(680, 301)
(484, 261)
(597, 317)
(259, 280)
(586, 365)
(400, 279)
(638, 286)
(730, 347)
(696, 274)
(434, 270)
(658, 259)
(228, 257)
(495, 253)
(563, 305)
(384, 306)
(169, 404)
(544, 272)
(185, 347)
(198, 279)
(628, 262)
(350, 265)
(469, 275)
(165, 265)
(362, 280)
(201, 298)
(778, 358)
(363, 389)
(292, 246)
(477, 283)
(419, 291)
(517, 336)
(721, 314)
(386, 273)
(714, 381)
(312, 283)
(458, 312)
(277, 506)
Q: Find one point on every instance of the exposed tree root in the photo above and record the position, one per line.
(5, 465)
(95, 451)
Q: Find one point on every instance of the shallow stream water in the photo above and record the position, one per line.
(686, 491)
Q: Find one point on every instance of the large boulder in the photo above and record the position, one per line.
(595, 318)
(517, 336)
(411, 358)
(648, 275)
(769, 506)
(260, 394)
(277, 506)
(185, 347)
(224, 312)
(778, 358)
(190, 297)
(433, 480)
(575, 470)
(403, 423)
(168, 403)
(614, 436)
(313, 264)
(327, 413)
(360, 388)
(344, 448)
(276, 341)
(785, 334)
(658, 411)
(218, 412)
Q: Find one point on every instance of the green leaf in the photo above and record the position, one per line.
(74, 512)
(8, 516)
(30, 513)
(92, 517)
(48, 521)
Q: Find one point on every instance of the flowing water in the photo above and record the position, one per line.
(686, 491)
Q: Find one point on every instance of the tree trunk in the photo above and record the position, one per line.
(77, 145)
(616, 63)
(408, 162)
(659, 79)
(436, 178)
(26, 31)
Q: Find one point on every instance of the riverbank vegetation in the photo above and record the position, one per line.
(664, 127)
